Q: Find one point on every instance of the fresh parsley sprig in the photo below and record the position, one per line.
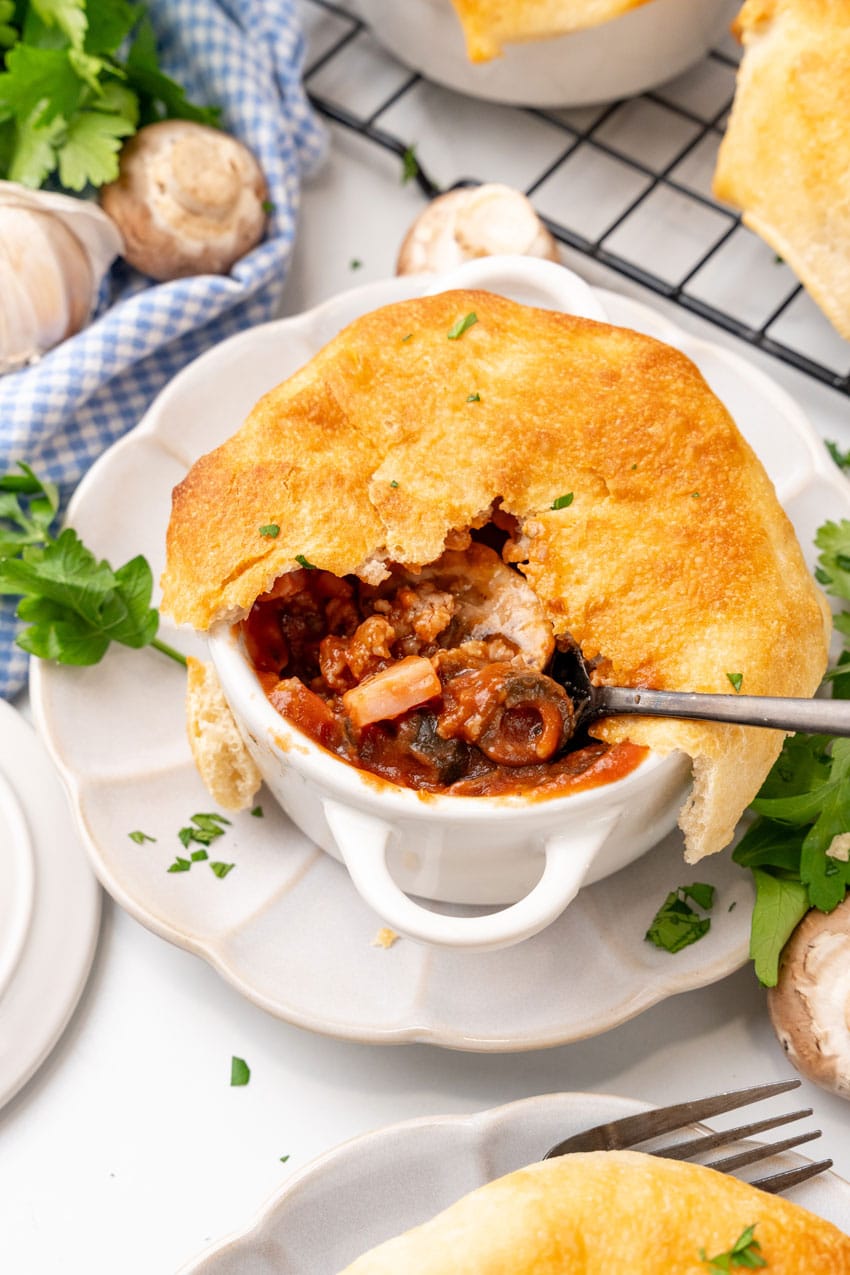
(73, 604)
(69, 93)
(676, 924)
(804, 804)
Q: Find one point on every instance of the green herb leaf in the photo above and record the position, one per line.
(257, 812)
(781, 903)
(354, 263)
(302, 562)
(221, 869)
(283, 1159)
(268, 206)
(180, 865)
(89, 153)
(563, 502)
(407, 338)
(140, 837)
(473, 398)
(198, 856)
(462, 325)
(842, 459)
(744, 1254)
(676, 924)
(240, 1072)
(409, 165)
(393, 483)
(736, 679)
(270, 529)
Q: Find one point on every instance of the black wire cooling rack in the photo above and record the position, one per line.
(591, 136)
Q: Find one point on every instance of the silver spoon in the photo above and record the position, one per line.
(809, 716)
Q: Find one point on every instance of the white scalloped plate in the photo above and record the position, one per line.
(49, 906)
(379, 1185)
(287, 927)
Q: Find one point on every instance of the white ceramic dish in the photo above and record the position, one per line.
(49, 906)
(286, 927)
(533, 855)
(377, 1186)
(628, 55)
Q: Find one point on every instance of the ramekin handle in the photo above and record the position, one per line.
(529, 280)
(363, 841)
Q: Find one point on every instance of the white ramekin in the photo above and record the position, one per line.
(396, 842)
(628, 55)
(533, 855)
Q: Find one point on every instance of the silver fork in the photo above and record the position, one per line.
(633, 1130)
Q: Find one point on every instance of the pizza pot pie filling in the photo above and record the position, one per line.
(439, 679)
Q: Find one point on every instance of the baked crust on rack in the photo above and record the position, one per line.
(672, 561)
(610, 1211)
(783, 159)
(488, 24)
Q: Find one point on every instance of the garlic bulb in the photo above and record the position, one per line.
(54, 252)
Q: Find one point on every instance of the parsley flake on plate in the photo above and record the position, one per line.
(271, 530)
(842, 459)
(140, 837)
(221, 869)
(737, 680)
(180, 865)
(409, 165)
(676, 924)
(463, 325)
(473, 398)
(257, 812)
(240, 1072)
(563, 502)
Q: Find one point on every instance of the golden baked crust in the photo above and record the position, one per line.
(488, 24)
(609, 1212)
(784, 159)
(673, 561)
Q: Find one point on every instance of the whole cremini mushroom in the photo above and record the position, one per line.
(188, 199)
(810, 1005)
(481, 221)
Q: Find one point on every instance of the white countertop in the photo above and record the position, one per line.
(129, 1151)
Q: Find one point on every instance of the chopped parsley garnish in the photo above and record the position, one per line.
(203, 830)
(393, 483)
(737, 680)
(140, 837)
(268, 206)
(745, 1254)
(409, 337)
(842, 459)
(240, 1072)
(221, 869)
(473, 398)
(462, 325)
(257, 812)
(198, 856)
(695, 495)
(283, 1159)
(355, 263)
(302, 562)
(563, 502)
(676, 924)
(180, 865)
(409, 165)
(270, 529)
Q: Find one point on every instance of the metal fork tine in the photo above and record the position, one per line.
(762, 1152)
(650, 1124)
(776, 1182)
(708, 1141)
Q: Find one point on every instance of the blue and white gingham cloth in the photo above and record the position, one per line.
(59, 415)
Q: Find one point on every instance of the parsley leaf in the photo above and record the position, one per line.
(303, 562)
(240, 1072)
(67, 99)
(270, 529)
(737, 680)
(745, 1253)
(409, 165)
(563, 502)
(221, 869)
(463, 325)
(842, 459)
(676, 924)
(140, 837)
(257, 812)
(73, 604)
(180, 865)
